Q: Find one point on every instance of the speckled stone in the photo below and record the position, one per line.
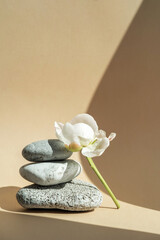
(51, 173)
(46, 150)
(75, 195)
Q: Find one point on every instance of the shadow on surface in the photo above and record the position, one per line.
(8, 199)
(127, 101)
(32, 227)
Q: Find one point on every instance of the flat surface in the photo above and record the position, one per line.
(128, 217)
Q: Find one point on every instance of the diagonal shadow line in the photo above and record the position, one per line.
(22, 226)
(132, 180)
(127, 102)
(15, 216)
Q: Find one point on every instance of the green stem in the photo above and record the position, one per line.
(93, 166)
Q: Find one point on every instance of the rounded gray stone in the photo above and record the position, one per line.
(46, 150)
(51, 173)
(75, 195)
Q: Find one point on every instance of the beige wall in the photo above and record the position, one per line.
(127, 101)
(53, 55)
(61, 58)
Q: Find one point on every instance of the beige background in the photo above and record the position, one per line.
(61, 58)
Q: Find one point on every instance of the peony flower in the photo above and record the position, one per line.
(82, 133)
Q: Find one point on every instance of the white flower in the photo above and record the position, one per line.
(82, 134)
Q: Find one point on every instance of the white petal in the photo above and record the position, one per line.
(58, 126)
(112, 136)
(101, 134)
(59, 134)
(79, 133)
(84, 141)
(84, 132)
(87, 119)
(97, 148)
(70, 134)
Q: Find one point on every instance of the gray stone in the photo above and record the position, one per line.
(75, 195)
(46, 150)
(51, 173)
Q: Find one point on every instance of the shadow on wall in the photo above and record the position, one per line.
(127, 101)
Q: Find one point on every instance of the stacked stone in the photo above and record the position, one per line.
(53, 175)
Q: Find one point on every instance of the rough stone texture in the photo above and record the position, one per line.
(50, 173)
(75, 195)
(46, 150)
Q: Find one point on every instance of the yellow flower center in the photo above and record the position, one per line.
(73, 147)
